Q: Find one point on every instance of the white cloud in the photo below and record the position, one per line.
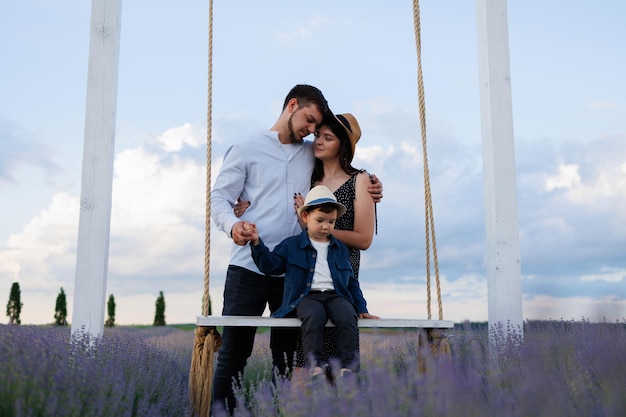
(568, 177)
(157, 233)
(606, 182)
(174, 139)
(606, 274)
(307, 31)
(545, 307)
(375, 107)
(462, 299)
(609, 183)
(43, 254)
(157, 223)
(604, 105)
(412, 155)
(369, 155)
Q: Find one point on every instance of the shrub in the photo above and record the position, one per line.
(159, 314)
(110, 321)
(14, 306)
(60, 309)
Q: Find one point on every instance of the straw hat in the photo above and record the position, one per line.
(319, 195)
(352, 128)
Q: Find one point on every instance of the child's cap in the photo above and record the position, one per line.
(319, 195)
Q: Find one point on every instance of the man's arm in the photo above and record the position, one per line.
(229, 185)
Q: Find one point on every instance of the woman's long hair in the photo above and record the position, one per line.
(345, 150)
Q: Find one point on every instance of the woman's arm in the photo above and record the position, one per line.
(362, 235)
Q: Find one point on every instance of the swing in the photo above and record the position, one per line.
(207, 338)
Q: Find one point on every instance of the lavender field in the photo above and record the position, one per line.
(561, 368)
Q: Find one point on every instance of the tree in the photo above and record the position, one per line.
(159, 316)
(60, 310)
(110, 322)
(14, 306)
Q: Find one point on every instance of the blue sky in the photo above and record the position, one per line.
(569, 109)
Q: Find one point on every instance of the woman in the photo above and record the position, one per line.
(334, 147)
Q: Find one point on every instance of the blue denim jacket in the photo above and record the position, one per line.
(295, 257)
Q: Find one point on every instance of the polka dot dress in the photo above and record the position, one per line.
(346, 195)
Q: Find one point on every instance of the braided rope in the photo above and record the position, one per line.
(207, 239)
(428, 204)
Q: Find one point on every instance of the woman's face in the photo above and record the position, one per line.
(326, 144)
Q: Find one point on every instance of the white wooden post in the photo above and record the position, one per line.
(92, 251)
(502, 235)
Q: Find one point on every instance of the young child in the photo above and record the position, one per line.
(319, 281)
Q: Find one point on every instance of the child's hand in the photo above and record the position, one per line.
(368, 316)
(254, 233)
(249, 227)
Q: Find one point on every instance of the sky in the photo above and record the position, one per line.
(568, 85)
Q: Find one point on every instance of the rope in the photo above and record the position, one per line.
(207, 340)
(207, 238)
(428, 204)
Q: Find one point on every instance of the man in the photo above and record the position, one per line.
(267, 169)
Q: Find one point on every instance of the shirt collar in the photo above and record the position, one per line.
(305, 241)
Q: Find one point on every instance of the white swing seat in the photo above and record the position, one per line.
(265, 321)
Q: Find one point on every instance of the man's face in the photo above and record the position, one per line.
(302, 122)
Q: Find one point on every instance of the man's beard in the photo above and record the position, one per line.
(292, 135)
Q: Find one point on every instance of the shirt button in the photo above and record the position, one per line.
(301, 295)
(311, 270)
(314, 255)
(308, 284)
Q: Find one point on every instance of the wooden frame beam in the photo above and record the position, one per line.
(92, 251)
(502, 248)
(258, 321)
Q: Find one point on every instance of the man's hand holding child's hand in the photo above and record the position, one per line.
(253, 232)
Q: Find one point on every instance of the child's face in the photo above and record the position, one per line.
(319, 224)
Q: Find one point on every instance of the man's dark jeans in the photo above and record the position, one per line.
(247, 293)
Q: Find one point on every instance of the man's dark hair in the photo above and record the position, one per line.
(307, 94)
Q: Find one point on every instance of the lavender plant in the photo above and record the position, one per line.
(47, 373)
(558, 369)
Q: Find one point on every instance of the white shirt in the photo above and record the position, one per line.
(322, 279)
(258, 170)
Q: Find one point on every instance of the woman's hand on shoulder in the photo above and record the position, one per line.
(375, 187)
(298, 201)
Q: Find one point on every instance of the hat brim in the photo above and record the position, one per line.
(351, 126)
(341, 209)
